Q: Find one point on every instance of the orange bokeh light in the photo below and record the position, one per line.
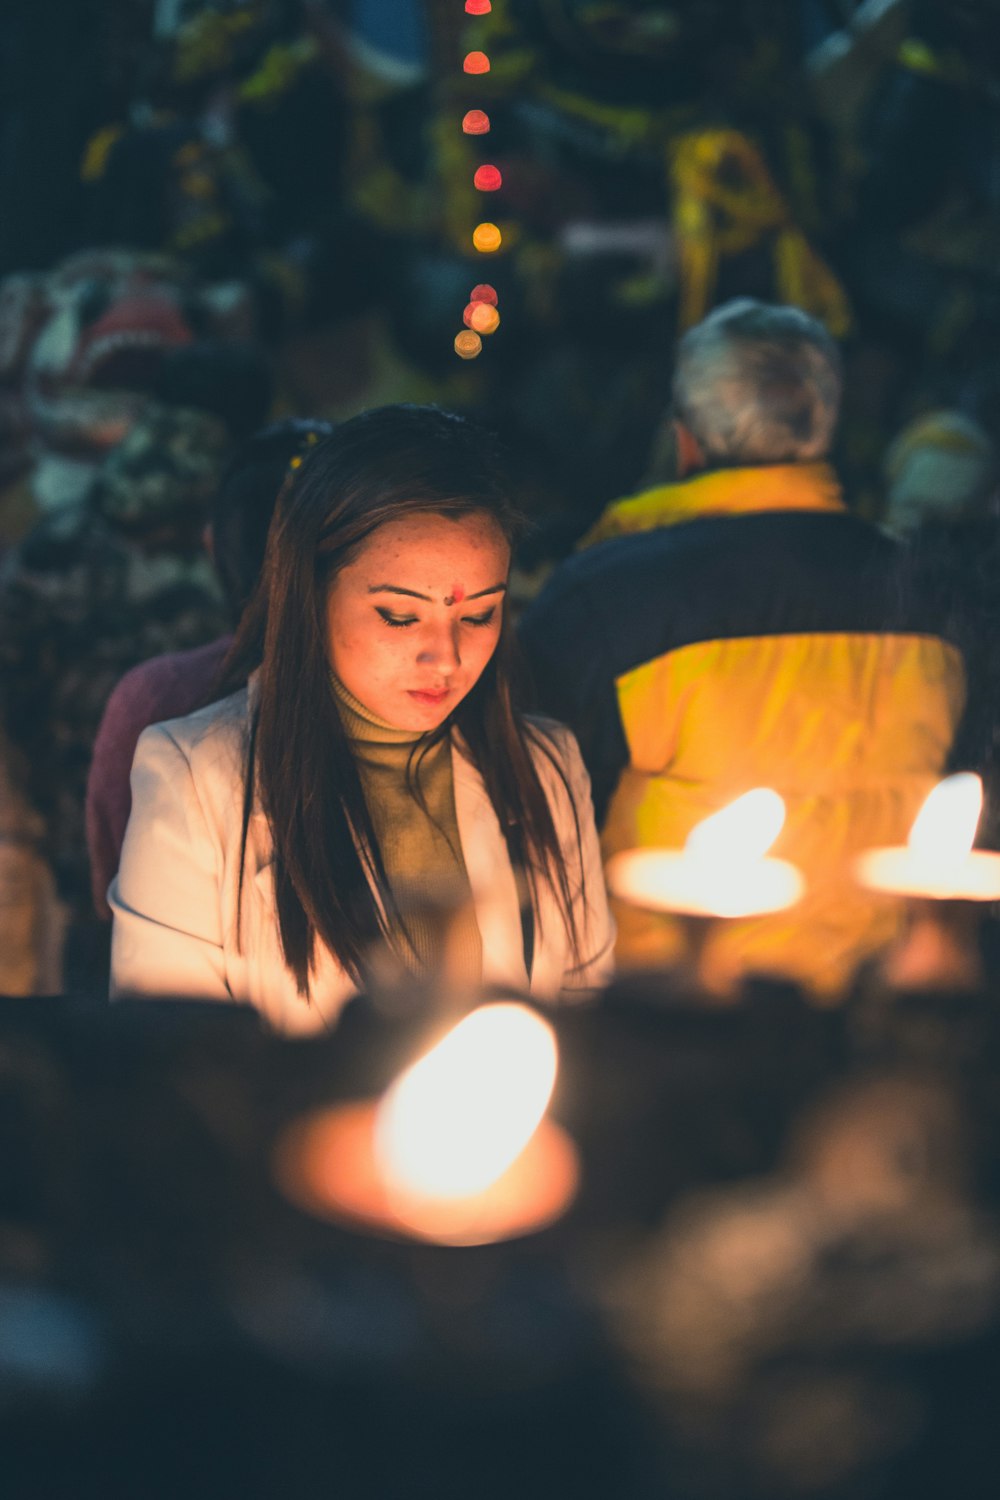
(486, 237)
(481, 317)
(476, 122)
(468, 344)
(487, 179)
(476, 62)
(484, 293)
(484, 318)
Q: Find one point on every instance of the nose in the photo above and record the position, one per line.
(439, 647)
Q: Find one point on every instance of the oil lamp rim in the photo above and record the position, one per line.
(324, 1163)
(686, 889)
(897, 871)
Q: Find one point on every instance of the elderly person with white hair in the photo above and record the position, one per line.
(740, 628)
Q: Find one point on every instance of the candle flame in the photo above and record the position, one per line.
(945, 827)
(743, 831)
(460, 1116)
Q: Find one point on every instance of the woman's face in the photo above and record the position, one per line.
(412, 621)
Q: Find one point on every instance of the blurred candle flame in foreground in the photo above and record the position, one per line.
(454, 1122)
(945, 827)
(743, 831)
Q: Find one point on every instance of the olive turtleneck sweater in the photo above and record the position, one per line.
(419, 841)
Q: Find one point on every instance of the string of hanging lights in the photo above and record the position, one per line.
(481, 315)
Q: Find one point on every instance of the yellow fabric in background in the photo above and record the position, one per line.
(724, 203)
(817, 717)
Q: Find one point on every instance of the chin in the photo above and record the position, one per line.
(428, 718)
(424, 716)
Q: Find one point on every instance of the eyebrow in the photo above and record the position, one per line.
(390, 588)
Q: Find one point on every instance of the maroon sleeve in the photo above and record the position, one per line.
(165, 687)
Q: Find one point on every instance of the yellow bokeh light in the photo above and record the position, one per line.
(468, 344)
(486, 238)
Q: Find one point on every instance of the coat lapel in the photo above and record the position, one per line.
(492, 881)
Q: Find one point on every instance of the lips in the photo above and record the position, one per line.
(431, 698)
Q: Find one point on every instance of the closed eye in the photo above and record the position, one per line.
(482, 619)
(396, 621)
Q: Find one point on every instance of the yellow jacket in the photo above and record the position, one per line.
(741, 629)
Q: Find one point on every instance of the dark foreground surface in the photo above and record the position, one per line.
(781, 1276)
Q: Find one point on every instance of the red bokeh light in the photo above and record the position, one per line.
(478, 7)
(487, 179)
(476, 62)
(476, 122)
(484, 293)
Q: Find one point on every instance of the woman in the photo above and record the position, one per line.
(282, 841)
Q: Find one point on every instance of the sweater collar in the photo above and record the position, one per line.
(365, 727)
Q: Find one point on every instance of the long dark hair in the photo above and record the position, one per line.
(330, 879)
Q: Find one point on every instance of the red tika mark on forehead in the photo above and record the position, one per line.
(456, 596)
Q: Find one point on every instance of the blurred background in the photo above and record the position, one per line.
(288, 182)
(216, 214)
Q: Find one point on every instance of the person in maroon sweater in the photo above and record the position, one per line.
(170, 686)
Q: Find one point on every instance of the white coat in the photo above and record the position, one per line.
(174, 899)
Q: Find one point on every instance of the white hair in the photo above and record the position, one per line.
(757, 383)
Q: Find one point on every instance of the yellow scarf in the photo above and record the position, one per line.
(721, 492)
